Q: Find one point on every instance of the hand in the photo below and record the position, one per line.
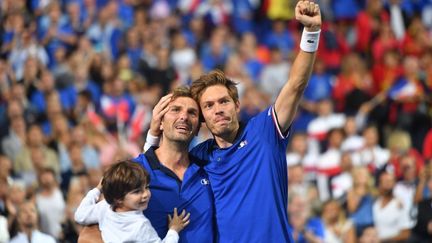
(178, 222)
(158, 112)
(308, 13)
(99, 186)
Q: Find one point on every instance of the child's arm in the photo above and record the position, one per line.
(89, 210)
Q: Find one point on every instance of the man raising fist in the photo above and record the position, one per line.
(246, 163)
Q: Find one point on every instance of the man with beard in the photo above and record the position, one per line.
(27, 219)
(246, 163)
(175, 180)
(390, 218)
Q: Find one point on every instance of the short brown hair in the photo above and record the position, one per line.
(181, 91)
(122, 178)
(216, 77)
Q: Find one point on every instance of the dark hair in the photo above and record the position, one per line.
(122, 178)
(216, 77)
(181, 91)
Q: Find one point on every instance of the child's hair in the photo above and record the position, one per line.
(122, 178)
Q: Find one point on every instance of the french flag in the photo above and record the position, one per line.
(402, 89)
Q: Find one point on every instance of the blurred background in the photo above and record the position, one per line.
(79, 79)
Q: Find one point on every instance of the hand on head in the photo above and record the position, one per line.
(158, 112)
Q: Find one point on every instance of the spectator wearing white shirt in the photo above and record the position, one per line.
(329, 162)
(301, 152)
(372, 154)
(50, 203)
(389, 214)
(405, 189)
(353, 141)
(274, 74)
(326, 120)
(182, 57)
(28, 232)
(341, 183)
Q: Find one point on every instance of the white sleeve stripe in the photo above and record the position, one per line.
(277, 124)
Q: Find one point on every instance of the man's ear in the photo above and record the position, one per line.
(161, 124)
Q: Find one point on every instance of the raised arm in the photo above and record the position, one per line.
(307, 13)
(89, 210)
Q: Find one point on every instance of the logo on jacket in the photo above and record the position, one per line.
(205, 181)
(242, 144)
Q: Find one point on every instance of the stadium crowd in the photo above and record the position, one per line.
(79, 79)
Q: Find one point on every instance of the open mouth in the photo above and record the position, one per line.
(183, 127)
(143, 203)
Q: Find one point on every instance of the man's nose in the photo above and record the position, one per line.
(218, 109)
(183, 115)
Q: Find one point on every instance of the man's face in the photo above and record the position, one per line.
(181, 122)
(27, 215)
(386, 184)
(219, 110)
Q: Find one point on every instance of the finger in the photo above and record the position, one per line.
(186, 223)
(166, 97)
(163, 102)
(164, 111)
(186, 218)
(316, 9)
(299, 8)
(175, 212)
(311, 8)
(169, 218)
(183, 214)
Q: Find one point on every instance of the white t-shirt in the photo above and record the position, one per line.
(37, 237)
(376, 156)
(52, 211)
(391, 219)
(340, 184)
(405, 192)
(4, 233)
(116, 227)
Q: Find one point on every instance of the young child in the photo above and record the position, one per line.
(125, 187)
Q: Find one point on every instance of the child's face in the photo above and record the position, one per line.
(137, 199)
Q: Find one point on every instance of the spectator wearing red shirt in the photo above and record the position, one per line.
(367, 24)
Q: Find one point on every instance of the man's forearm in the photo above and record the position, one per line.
(90, 234)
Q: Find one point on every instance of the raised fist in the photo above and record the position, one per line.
(308, 13)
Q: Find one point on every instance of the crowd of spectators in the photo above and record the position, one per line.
(79, 79)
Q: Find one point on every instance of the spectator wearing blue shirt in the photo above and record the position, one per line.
(279, 36)
(55, 31)
(246, 163)
(303, 227)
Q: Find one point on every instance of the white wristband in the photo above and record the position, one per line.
(151, 141)
(310, 40)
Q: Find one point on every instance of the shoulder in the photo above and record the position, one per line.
(141, 159)
(201, 151)
(41, 237)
